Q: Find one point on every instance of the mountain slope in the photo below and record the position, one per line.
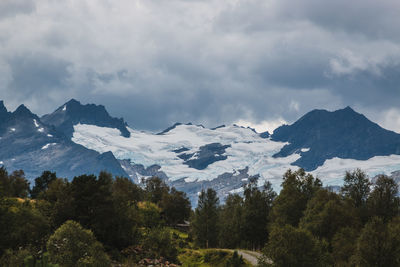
(343, 134)
(73, 112)
(77, 139)
(29, 144)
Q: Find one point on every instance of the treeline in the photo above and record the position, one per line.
(89, 221)
(93, 221)
(306, 224)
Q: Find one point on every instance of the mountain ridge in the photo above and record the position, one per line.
(343, 133)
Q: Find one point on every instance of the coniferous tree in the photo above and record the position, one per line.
(297, 189)
(155, 188)
(42, 183)
(19, 186)
(231, 222)
(257, 206)
(326, 213)
(175, 207)
(205, 219)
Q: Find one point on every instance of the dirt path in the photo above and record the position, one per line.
(250, 256)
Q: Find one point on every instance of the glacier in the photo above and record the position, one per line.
(246, 150)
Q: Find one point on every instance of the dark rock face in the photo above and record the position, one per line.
(73, 112)
(223, 184)
(343, 133)
(265, 135)
(29, 144)
(135, 171)
(180, 150)
(206, 155)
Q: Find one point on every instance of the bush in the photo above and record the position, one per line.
(72, 245)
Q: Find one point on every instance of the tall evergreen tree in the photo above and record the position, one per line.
(205, 219)
(231, 222)
(297, 189)
(257, 206)
(326, 213)
(42, 183)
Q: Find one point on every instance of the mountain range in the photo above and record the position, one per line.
(77, 139)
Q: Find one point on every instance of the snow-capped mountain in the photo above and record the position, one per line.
(73, 112)
(343, 133)
(29, 144)
(191, 157)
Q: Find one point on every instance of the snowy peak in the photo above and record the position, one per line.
(73, 113)
(343, 133)
(29, 144)
(177, 124)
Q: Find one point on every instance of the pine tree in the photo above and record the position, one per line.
(205, 219)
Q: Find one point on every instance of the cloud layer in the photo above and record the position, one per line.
(204, 61)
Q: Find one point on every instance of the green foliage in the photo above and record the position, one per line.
(305, 225)
(22, 224)
(59, 198)
(297, 189)
(383, 200)
(344, 246)
(176, 207)
(356, 189)
(155, 188)
(158, 242)
(93, 205)
(289, 246)
(379, 244)
(204, 224)
(125, 191)
(14, 184)
(209, 258)
(235, 261)
(257, 206)
(14, 258)
(150, 214)
(42, 183)
(231, 221)
(325, 214)
(72, 245)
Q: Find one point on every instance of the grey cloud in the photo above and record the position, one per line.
(208, 62)
(34, 73)
(9, 8)
(373, 19)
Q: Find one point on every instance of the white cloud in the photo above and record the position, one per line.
(267, 125)
(157, 62)
(391, 119)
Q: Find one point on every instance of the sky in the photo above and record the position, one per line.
(155, 62)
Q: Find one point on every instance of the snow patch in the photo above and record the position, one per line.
(35, 123)
(48, 145)
(49, 135)
(247, 149)
(41, 130)
(64, 108)
(12, 129)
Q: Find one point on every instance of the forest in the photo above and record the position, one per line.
(111, 221)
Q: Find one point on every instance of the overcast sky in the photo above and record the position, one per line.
(259, 62)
